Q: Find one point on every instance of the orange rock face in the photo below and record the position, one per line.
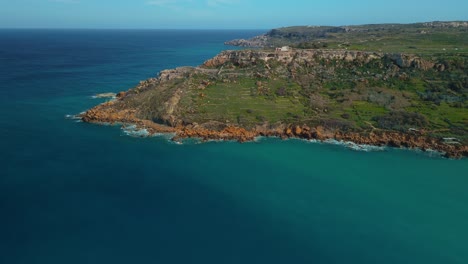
(216, 61)
(298, 131)
(107, 113)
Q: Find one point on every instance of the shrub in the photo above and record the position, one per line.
(281, 91)
(343, 125)
(401, 121)
(345, 116)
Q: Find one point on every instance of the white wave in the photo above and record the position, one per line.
(259, 139)
(354, 146)
(134, 131)
(167, 136)
(430, 152)
(188, 141)
(73, 117)
(105, 96)
(175, 142)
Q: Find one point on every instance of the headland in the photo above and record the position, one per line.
(384, 85)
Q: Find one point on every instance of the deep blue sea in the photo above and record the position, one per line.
(72, 192)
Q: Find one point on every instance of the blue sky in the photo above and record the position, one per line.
(221, 14)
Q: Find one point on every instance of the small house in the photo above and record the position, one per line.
(284, 48)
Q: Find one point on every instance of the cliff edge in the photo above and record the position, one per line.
(364, 97)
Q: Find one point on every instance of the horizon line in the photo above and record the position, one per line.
(147, 28)
(85, 28)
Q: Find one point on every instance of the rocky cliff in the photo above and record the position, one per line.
(363, 97)
(249, 57)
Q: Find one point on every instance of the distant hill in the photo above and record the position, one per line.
(419, 38)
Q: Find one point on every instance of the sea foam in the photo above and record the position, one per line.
(77, 118)
(134, 131)
(354, 146)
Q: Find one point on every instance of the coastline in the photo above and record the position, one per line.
(104, 113)
(132, 195)
(396, 98)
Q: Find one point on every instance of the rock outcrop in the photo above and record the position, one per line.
(255, 42)
(249, 57)
(155, 104)
(409, 61)
(105, 113)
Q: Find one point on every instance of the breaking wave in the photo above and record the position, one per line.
(134, 131)
(354, 146)
(77, 118)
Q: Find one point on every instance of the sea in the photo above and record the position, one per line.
(72, 192)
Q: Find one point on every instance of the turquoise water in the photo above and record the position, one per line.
(79, 193)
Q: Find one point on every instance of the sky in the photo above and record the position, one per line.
(222, 14)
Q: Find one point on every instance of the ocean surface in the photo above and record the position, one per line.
(72, 192)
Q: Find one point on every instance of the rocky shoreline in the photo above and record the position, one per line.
(106, 113)
(401, 100)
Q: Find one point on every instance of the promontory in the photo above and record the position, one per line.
(387, 85)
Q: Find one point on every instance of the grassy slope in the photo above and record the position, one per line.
(429, 93)
(351, 98)
(239, 102)
(418, 39)
(338, 94)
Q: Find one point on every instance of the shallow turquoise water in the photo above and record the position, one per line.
(79, 193)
